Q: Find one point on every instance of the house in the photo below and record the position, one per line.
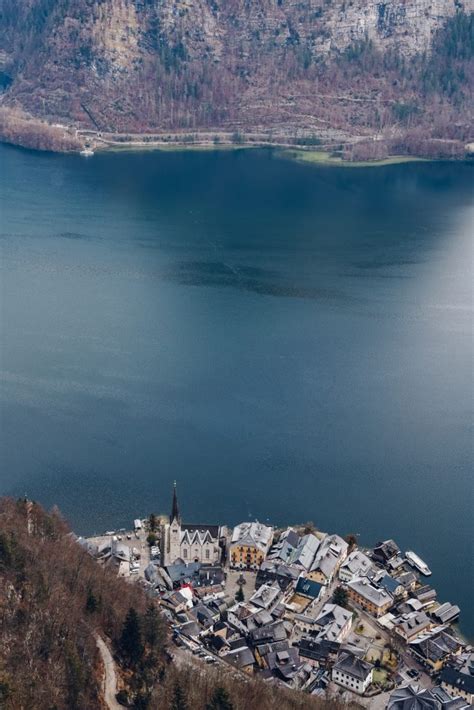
(284, 664)
(177, 601)
(283, 549)
(356, 565)
(408, 580)
(447, 702)
(268, 634)
(409, 626)
(391, 585)
(273, 571)
(435, 649)
(385, 551)
(238, 614)
(334, 623)
(303, 556)
(242, 658)
(249, 545)
(458, 683)
(189, 543)
(368, 596)
(329, 556)
(352, 672)
(265, 597)
(262, 650)
(317, 652)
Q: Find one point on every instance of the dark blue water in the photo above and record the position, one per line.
(289, 342)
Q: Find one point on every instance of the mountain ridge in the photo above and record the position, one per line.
(289, 69)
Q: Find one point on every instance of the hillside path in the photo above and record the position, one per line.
(110, 677)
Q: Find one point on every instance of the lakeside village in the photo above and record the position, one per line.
(299, 607)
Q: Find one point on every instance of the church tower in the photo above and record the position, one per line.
(174, 531)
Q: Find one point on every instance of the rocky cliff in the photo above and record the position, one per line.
(291, 66)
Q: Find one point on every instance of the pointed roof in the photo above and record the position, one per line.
(174, 509)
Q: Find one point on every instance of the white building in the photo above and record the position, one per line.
(189, 543)
(334, 623)
(352, 672)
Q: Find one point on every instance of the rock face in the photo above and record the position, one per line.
(134, 65)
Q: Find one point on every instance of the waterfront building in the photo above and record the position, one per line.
(352, 672)
(409, 626)
(249, 545)
(356, 565)
(330, 554)
(385, 551)
(189, 543)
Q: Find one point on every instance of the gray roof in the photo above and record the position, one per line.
(240, 657)
(329, 554)
(412, 697)
(446, 612)
(253, 534)
(357, 563)
(457, 679)
(332, 620)
(413, 623)
(305, 552)
(369, 591)
(265, 596)
(352, 665)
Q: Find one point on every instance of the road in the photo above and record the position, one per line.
(110, 677)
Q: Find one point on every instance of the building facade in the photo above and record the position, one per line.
(250, 545)
(352, 673)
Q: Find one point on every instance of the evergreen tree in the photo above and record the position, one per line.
(153, 627)
(91, 602)
(179, 699)
(220, 700)
(153, 522)
(131, 638)
(340, 596)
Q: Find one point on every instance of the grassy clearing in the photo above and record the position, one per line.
(321, 157)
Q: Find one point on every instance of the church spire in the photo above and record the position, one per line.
(175, 510)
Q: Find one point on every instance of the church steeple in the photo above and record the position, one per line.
(174, 509)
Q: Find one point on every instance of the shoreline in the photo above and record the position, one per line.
(330, 147)
(279, 150)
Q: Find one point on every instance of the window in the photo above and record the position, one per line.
(185, 554)
(208, 554)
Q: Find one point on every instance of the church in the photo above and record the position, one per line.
(189, 543)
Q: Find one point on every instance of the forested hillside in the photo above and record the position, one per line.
(320, 70)
(56, 602)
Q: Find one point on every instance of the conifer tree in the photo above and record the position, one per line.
(131, 638)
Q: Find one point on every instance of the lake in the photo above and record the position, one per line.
(289, 342)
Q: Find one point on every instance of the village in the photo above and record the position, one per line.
(298, 607)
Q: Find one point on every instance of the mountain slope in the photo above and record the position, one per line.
(294, 68)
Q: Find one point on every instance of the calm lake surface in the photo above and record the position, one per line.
(288, 342)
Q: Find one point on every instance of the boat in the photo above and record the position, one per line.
(418, 563)
(87, 152)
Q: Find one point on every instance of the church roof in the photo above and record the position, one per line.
(213, 530)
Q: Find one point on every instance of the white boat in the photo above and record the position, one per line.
(87, 152)
(418, 563)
